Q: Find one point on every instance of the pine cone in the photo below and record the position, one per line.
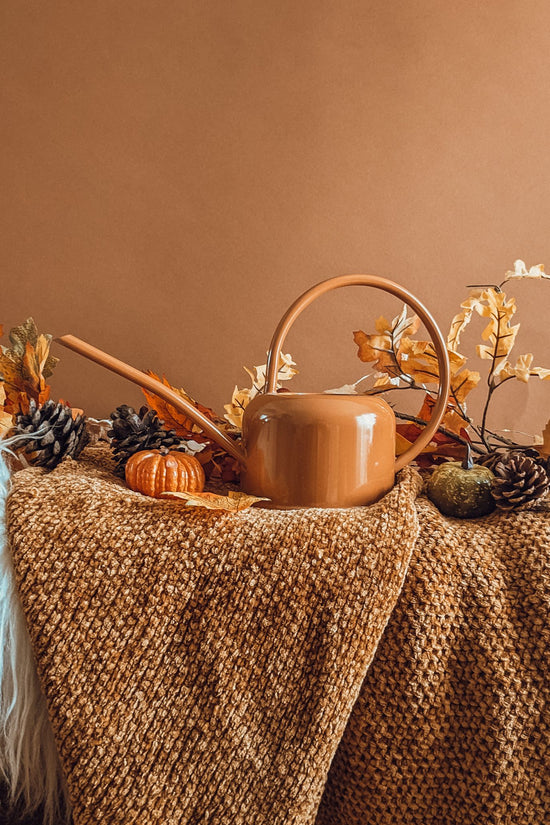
(491, 459)
(131, 432)
(519, 480)
(52, 433)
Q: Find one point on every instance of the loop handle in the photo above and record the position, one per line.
(394, 289)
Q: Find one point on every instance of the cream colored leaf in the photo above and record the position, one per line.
(239, 401)
(402, 325)
(347, 389)
(542, 373)
(233, 502)
(242, 397)
(522, 370)
(385, 380)
(463, 318)
(521, 271)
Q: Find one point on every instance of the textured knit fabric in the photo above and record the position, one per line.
(200, 667)
(452, 724)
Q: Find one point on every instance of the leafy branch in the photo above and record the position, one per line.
(401, 362)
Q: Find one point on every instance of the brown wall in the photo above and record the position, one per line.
(175, 173)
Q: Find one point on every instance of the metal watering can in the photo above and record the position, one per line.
(309, 449)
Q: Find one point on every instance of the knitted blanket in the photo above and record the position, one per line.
(213, 668)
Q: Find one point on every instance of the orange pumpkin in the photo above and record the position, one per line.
(153, 472)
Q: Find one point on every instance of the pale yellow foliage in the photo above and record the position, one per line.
(242, 397)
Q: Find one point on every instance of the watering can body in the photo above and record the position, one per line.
(310, 449)
(318, 450)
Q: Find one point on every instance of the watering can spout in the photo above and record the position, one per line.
(155, 386)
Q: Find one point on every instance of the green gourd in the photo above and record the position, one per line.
(462, 489)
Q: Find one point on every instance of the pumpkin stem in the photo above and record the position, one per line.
(467, 462)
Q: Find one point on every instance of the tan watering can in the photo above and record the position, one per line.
(310, 449)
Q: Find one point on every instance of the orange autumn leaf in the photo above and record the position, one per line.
(25, 366)
(383, 348)
(442, 445)
(175, 419)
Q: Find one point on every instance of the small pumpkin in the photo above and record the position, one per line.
(153, 472)
(462, 489)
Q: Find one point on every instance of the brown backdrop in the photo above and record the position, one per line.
(175, 173)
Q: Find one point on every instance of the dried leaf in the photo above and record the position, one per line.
(347, 389)
(520, 271)
(378, 350)
(383, 347)
(25, 366)
(462, 383)
(523, 370)
(233, 502)
(242, 397)
(463, 318)
(6, 420)
(175, 419)
(499, 333)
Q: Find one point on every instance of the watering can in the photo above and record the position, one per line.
(309, 449)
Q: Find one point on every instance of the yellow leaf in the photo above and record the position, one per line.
(6, 423)
(418, 359)
(233, 502)
(377, 349)
(453, 422)
(383, 347)
(463, 318)
(464, 382)
(499, 333)
(239, 402)
(242, 397)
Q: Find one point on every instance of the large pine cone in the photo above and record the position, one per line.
(492, 458)
(51, 433)
(131, 432)
(519, 481)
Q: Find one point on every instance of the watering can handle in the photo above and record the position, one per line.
(388, 286)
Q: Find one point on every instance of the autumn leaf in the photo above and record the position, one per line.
(175, 419)
(233, 502)
(346, 389)
(243, 396)
(378, 350)
(25, 366)
(383, 348)
(463, 318)
(499, 333)
(521, 271)
(522, 370)
(6, 420)
(442, 445)
(462, 383)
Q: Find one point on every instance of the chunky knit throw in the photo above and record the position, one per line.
(213, 668)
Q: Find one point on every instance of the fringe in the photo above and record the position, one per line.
(29, 763)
